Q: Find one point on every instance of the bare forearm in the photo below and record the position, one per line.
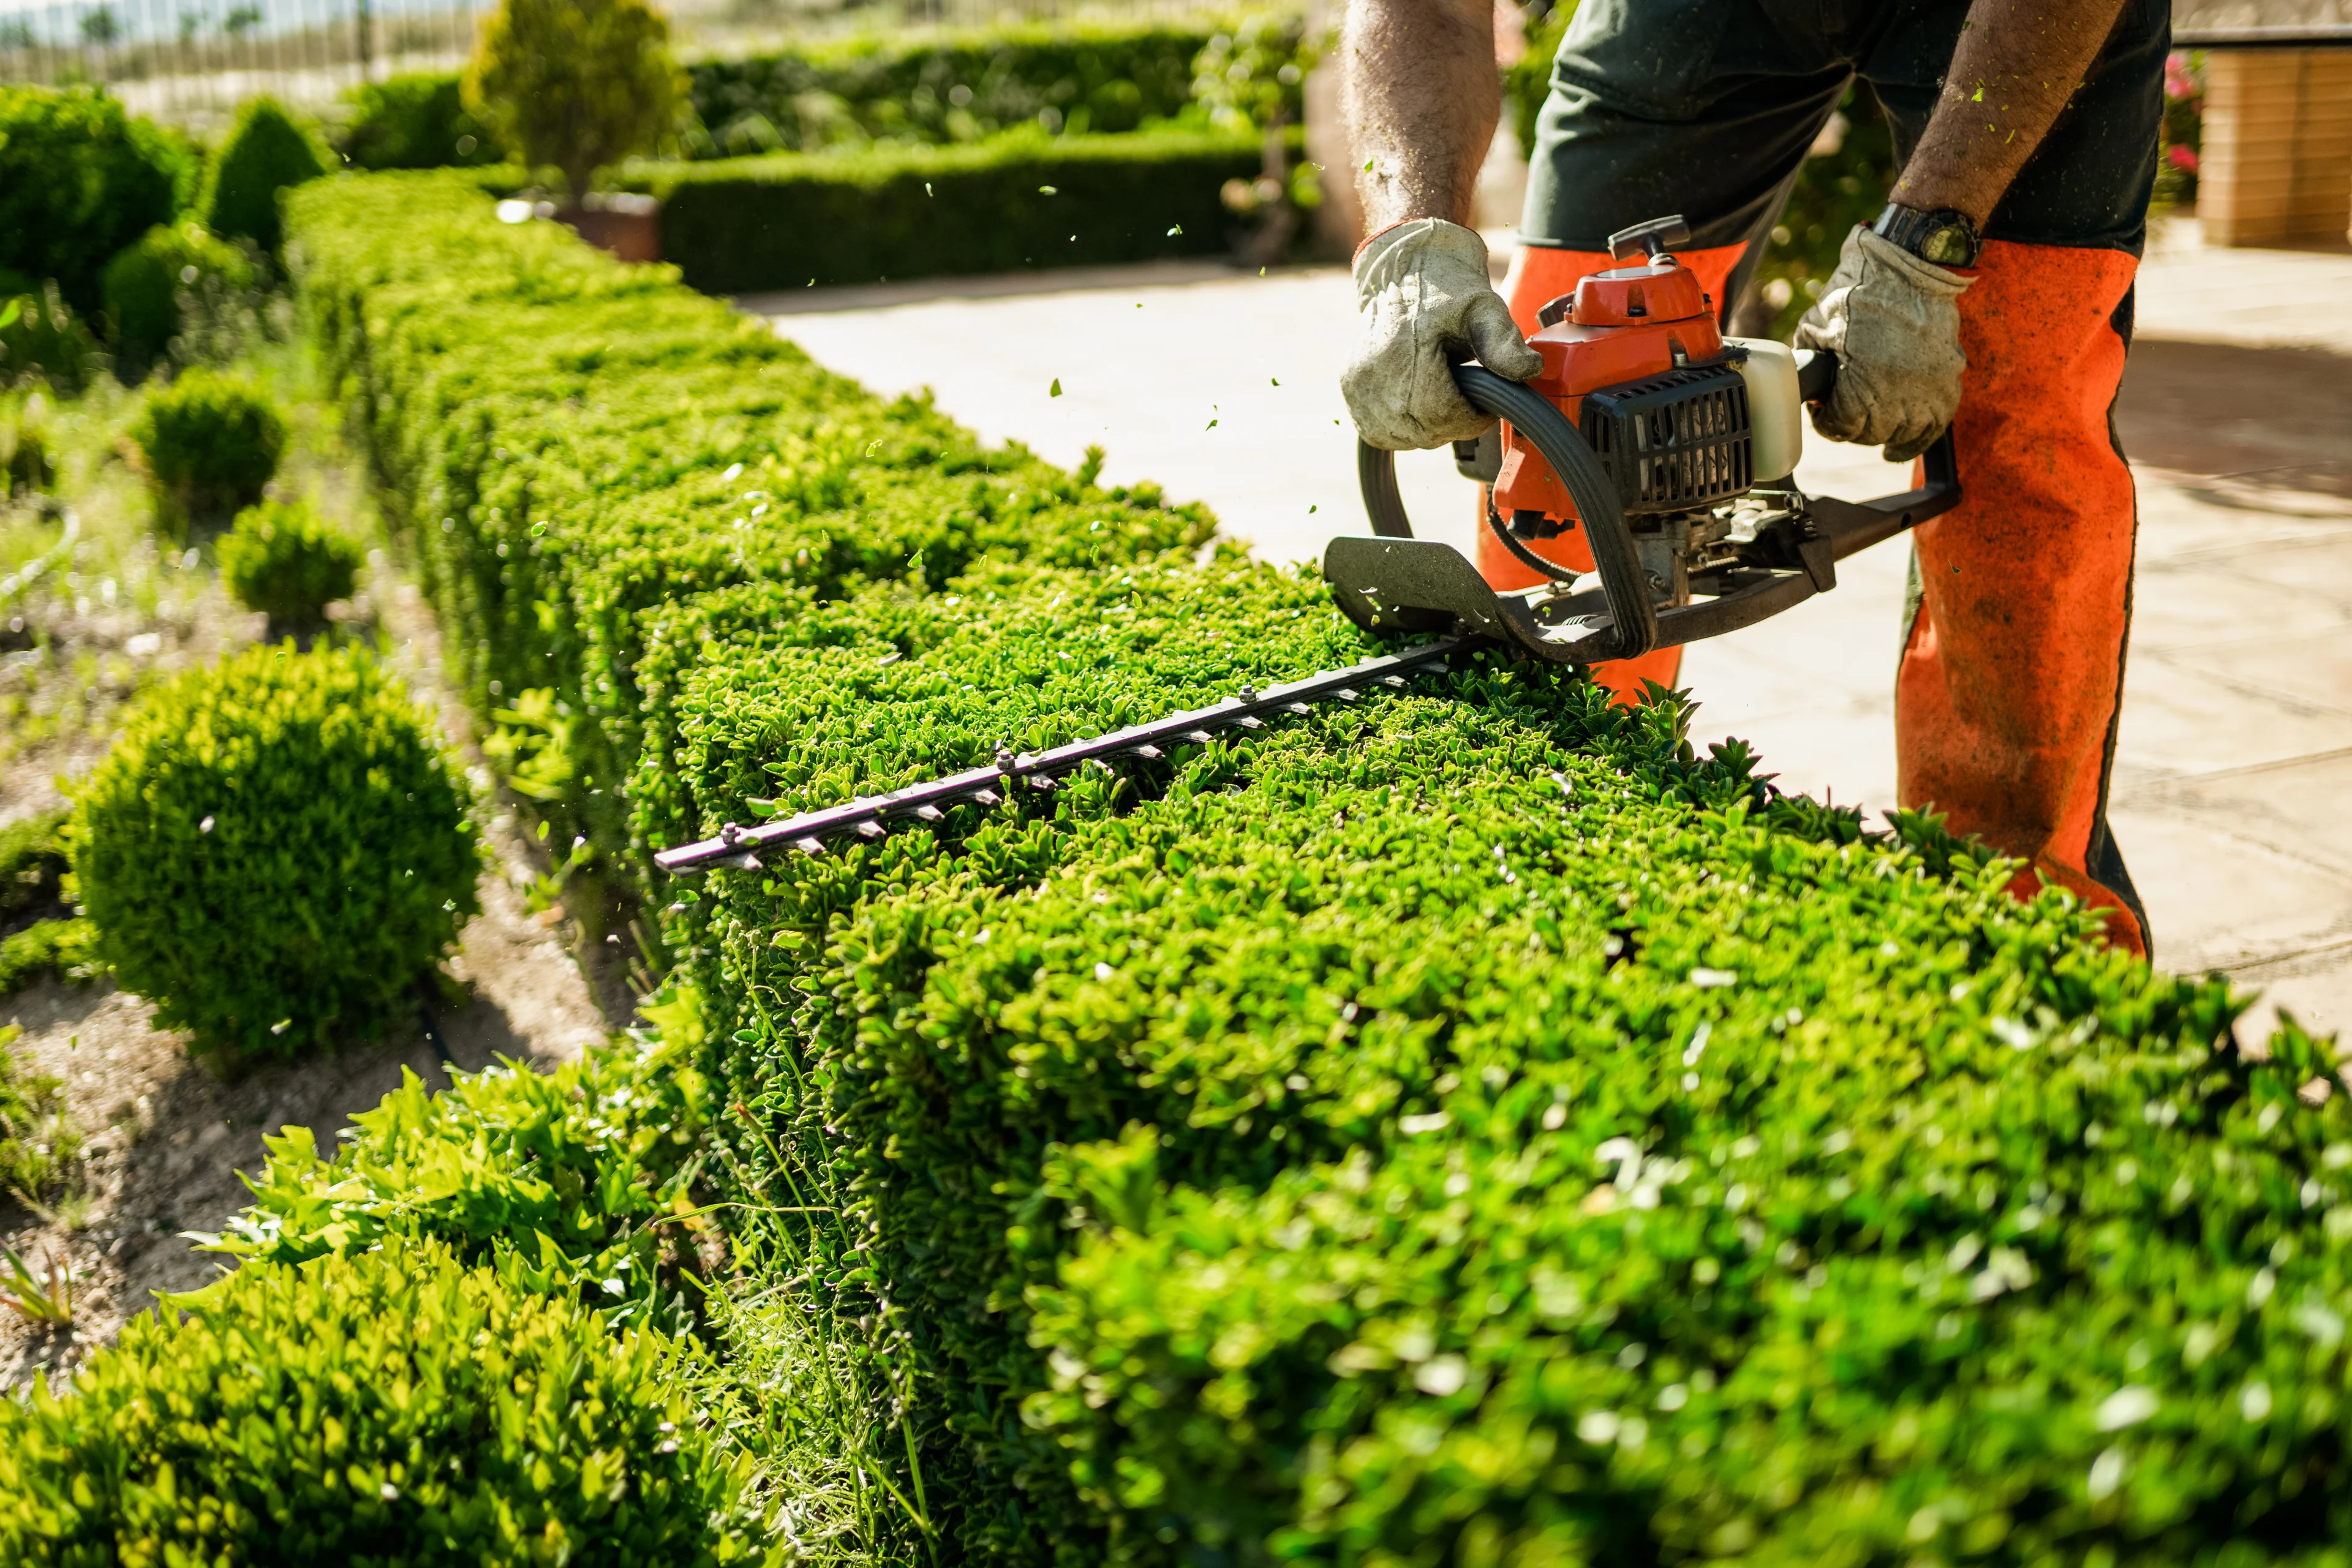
(2016, 64)
(1422, 94)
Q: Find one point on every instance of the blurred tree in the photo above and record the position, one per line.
(577, 84)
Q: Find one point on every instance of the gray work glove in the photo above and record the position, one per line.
(1426, 303)
(1894, 321)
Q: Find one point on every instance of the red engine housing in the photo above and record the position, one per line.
(1621, 325)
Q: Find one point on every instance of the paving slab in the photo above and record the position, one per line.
(2234, 754)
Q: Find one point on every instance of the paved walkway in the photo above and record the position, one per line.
(2234, 763)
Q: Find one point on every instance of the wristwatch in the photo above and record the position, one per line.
(1945, 237)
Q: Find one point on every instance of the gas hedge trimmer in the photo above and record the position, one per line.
(1672, 448)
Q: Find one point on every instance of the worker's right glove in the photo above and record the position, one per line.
(1894, 321)
(1426, 303)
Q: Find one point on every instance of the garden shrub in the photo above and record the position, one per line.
(42, 339)
(61, 946)
(37, 935)
(27, 467)
(211, 441)
(576, 85)
(1019, 202)
(281, 559)
(414, 120)
(304, 803)
(39, 1144)
(79, 179)
(1303, 1147)
(391, 1407)
(32, 864)
(145, 281)
(566, 1180)
(267, 150)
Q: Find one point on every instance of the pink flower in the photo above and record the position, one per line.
(2182, 158)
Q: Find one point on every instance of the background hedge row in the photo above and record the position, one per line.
(1015, 203)
(1465, 1127)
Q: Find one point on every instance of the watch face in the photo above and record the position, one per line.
(1947, 246)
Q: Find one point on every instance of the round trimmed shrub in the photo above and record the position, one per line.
(144, 284)
(79, 179)
(394, 1407)
(281, 559)
(266, 151)
(212, 442)
(275, 851)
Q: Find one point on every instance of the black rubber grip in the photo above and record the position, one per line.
(1631, 606)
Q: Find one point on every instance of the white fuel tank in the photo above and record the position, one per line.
(1776, 414)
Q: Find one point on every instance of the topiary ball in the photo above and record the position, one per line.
(144, 282)
(266, 151)
(212, 442)
(281, 559)
(275, 851)
(394, 1407)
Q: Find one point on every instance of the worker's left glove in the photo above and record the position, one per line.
(1426, 303)
(1894, 321)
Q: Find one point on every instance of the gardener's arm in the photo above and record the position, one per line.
(2018, 63)
(1890, 311)
(1420, 92)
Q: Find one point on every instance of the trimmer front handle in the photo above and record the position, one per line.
(1393, 582)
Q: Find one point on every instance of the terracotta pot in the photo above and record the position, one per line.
(628, 227)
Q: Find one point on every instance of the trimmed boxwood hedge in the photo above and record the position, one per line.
(1463, 1127)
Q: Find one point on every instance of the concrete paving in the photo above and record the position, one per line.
(2234, 761)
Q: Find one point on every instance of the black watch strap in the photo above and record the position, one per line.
(1945, 236)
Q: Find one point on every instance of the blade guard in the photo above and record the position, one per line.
(1393, 583)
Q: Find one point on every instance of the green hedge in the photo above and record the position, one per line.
(578, 449)
(394, 1407)
(1463, 1127)
(1011, 205)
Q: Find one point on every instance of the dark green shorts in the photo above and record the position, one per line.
(1705, 108)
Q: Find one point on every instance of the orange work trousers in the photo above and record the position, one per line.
(2012, 677)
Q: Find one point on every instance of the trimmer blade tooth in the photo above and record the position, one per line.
(1395, 682)
(928, 813)
(1348, 694)
(812, 847)
(1197, 737)
(1148, 753)
(985, 798)
(1297, 708)
(872, 830)
(1043, 785)
(1249, 722)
